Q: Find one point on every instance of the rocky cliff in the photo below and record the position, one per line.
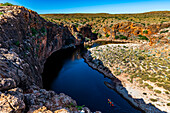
(26, 40)
(130, 29)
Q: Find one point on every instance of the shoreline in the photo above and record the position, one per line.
(112, 87)
(90, 43)
(119, 87)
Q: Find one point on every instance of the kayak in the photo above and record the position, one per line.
(110, 102)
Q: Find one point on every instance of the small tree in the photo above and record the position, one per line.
(116, 37)
(107, 35)
(123, 37)
(1, 13)
(145, 32)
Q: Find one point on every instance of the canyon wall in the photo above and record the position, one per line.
(26, 41)
(129, 29)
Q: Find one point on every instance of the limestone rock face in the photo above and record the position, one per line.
(26, 41)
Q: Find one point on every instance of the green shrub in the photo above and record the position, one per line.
(17, 43)
(159, 85)
(145, 77)
(166, 92)
(80, 107)
(1, 13)
(142, 37)
(43, 30)
(141, 58)
(164, 31)
(143, 24)
(77, 25)
(153, 100)
(34, 32)
(7, 4)
(152, 79)
(145, 32)
(140, 81)
(107, 35)
(87, 39)
(123, 37)
(150, 87)
(163, 21)
(116, 37)
(168, 104)
(166, 86)
(99, 35)
(158, 91)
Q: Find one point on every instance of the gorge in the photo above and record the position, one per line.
(27, 41)
(65, 71)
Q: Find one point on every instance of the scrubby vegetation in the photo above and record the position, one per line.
(157, 91)
(142, 37)
(1, 13)
(137, 64)
(103, 23)
(6, 4)
(164, 31)
(153, 100)
(168, 104)
(101, 19)
(145, 32)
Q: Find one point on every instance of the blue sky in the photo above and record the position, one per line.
(93, 6)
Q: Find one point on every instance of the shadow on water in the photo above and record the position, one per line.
(65, 71)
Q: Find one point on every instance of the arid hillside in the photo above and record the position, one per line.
(135, 27)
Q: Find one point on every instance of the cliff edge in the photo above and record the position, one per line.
(26, 41)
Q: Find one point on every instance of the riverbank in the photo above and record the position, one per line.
(131, 91)
(110, 41)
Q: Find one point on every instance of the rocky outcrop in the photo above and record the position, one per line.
(35, 100)
(26, 40)
(86, 32)
(130, 29)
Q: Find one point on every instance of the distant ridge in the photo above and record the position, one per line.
(74, 14)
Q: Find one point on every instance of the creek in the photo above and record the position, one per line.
(65, 71)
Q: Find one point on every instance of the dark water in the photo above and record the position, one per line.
(66, 72)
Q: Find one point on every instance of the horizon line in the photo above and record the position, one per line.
(106, 13)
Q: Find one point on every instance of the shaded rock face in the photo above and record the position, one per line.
(26, 40)
(33, 39)
(86, 32)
